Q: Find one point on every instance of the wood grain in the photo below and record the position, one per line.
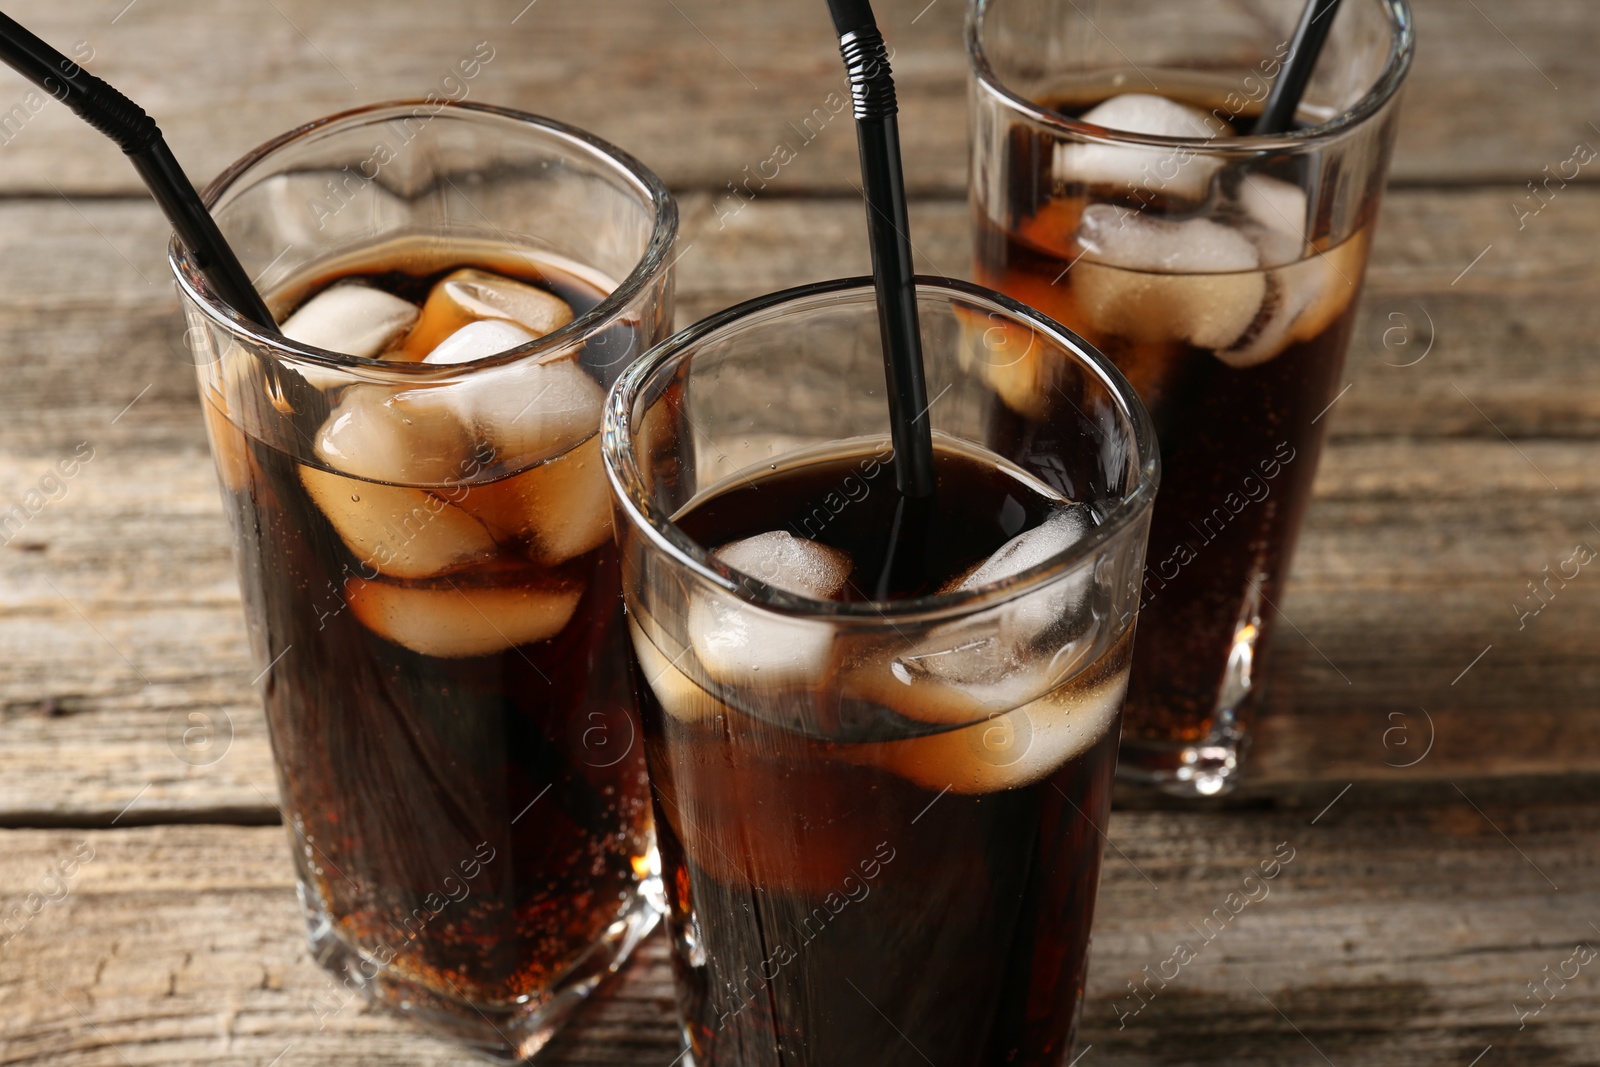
(1395, 934)
(699, 89)
(1508, 347)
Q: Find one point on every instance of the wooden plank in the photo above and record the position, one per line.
(700, 89)
(1396, 933)
(1417, 647)
(1508, 347)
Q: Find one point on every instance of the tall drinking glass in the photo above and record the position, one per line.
(425, 548)
(1117, 186)
(879, 818)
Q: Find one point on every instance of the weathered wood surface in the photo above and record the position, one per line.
(1398, 933)
(1461, 464)
(1500, 88)
(1449, 345)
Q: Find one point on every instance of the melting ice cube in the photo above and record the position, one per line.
(562, 506)
(1002, 657)
(1152, 279)
(790, 563)
(529, 411)
(1009, 749)
(457, 619)
(235, 464)
(437, 433)
(743, 645)
(1032, 614)
(352, 318)
(405, 533)
(479, 340)
(1303, 296)
(1276, 214)
(414, 437)
(677, 693)
(469, 295)
(1059, 531)
(1173, 171)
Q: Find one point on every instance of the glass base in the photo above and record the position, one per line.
(499, 1032)
(1205, 768)
(1208, 767)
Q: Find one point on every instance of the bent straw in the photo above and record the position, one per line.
(878, 139)
(126, 123)
(1284, 99)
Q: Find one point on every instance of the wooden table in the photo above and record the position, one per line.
(1432, 759)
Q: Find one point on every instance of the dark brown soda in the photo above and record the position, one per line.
(909, 923)
(475, 823)
(1239, 446)
(976, 508)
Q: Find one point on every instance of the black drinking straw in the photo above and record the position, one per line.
(1284, 99)
(125, 122)
(878, 138)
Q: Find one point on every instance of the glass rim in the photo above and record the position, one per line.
(1402, 49)
(653, 191)
(633, 499)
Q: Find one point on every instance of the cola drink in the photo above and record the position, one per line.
(1227, 296)
(431, 575)
(879, 840)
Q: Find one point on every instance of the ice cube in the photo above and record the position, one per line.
(528, 411)
(1276, 211)
(1121, 237)
(470, 295)
(1009, 749)
(404, 533)
(1151, 279)
(479, 340)
(413, 437)
(1289, 292)
(954, 678)
(562, 507)
(1030, 615)
(1060, 530)
(456, 620)
(1341, 268)
(998, 658)
(235, 464)
(744, 645)
(793, 564)
(678, 695)
(1019, 366)
(352, 318)
(1175, 171)
(434, 433)
(1303, 299)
